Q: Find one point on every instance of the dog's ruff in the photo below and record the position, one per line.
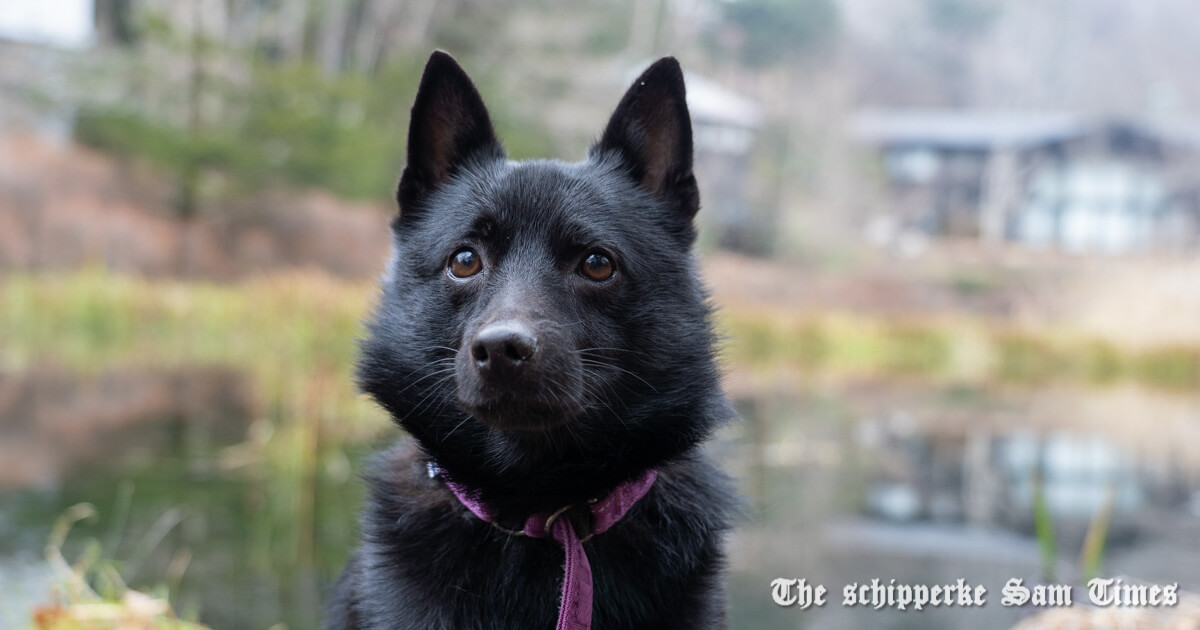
(575, 606)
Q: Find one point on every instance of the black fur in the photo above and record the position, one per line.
(609, 377)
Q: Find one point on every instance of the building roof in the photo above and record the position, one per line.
(967, 129)
(988, 130)
(1174, 130)
(709, 102)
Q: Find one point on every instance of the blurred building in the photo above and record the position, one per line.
(724, 126)
(724, 129)
(1049, 180)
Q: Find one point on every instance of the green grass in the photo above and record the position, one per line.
(292, 331)
(294, 334)
(947, 350)
(1043, 528)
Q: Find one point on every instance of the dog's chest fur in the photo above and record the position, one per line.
(427, 562)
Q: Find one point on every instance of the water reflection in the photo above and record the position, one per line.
(198, 491)
(932, 462)
(846, 481)
(54, 424)
(924, 484)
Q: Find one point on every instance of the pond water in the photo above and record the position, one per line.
(845, 481)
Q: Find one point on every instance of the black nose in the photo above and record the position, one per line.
(503, 347)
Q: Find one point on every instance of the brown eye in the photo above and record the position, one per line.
(597, 266)
(465, 263)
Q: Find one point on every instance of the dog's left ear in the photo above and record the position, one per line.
(652, 132)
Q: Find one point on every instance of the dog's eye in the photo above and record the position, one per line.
(597, 266)
(465, 263)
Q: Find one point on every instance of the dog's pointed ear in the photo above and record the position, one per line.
(449, 126)
(652, 132)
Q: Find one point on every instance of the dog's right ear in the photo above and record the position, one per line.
(449, 126)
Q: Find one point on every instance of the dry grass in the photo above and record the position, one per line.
(79, 604)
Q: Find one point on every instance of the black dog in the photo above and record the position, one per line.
(543, 336)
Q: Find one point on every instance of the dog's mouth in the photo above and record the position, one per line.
(509, 414)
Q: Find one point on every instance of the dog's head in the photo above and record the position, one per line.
(544, 314)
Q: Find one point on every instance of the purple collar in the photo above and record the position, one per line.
(575, 607)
